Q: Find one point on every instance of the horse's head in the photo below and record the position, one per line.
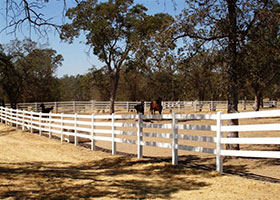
(159, 100)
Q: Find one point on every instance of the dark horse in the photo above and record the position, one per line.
(3, 103)
(140, 108)
(156, 106)
(44, 109)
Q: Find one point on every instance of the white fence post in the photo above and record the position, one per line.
(1, 114)
(127, 106)
(31, 119)
(139, 136)
(92, 132)
(195, 105)
(145, 106)
(50, 123)
(92, 105)
(174, 140)
(113, 135)
(61, 129)
(6, 116)
(16, 118)
(75, 131)
(219, 160)
(74, 106)
(23, 121)
(40, 123)
(36, 107)
(55, 107)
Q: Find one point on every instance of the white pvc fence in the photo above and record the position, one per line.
(131, 129)
(178, 106)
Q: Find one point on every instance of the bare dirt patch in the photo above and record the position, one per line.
(34, 167)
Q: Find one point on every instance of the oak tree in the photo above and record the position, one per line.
(114, 30)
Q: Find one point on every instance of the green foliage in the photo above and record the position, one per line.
(214, 50)
(115, 30)
(27, 72)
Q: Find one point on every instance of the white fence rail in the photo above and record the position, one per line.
(174, 129)
(178, 106)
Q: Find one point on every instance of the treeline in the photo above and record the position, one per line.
(214, 50)
(28, 75)
(197, 78)
(27, 72)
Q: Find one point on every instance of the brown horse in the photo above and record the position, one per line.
(156, 106)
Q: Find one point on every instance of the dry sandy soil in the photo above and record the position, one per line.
(35, 167)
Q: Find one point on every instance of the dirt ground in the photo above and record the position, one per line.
(36, 167)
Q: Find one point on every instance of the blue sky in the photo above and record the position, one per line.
(76, 59)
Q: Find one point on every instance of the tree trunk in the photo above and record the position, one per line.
(258, 97)
(232, 70)
(114, 86)
(257, 103)
(261, 101)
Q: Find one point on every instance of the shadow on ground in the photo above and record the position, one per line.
(117, 177)
(122, 177)
(6, 132)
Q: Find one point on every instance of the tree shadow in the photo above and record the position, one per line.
(121, 177)
(116, 177)
(6, 132)
(244, 170)
(202, 165)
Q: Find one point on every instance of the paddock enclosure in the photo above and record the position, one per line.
(127, 106)
(169, 156)
(177, 134)
(36, 167)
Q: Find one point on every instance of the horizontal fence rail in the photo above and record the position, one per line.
(174, 131)
(103, 106)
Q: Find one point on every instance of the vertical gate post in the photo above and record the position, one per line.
(145, 106)
(127, 106)
(40, 123)
(139, 136)
(17, 117)
(219, 159)
(6, 115)
(61, 129)
(55, 107)
(36, 106)
(174, 140)
(23, 113)
(75, 131)
(195, 105)
(92, 132)
(50, 124)
(179, 106)
(113, 135)
(74, 106)
(92, 105)
(1, 114)
(31, 124)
